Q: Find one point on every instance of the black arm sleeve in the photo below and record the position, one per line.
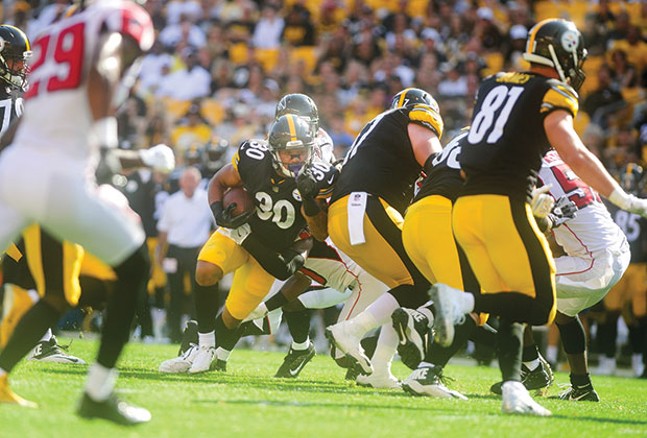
(280, 266)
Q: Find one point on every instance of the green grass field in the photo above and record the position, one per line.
(247, 401)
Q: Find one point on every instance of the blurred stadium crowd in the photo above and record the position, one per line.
(219, 67)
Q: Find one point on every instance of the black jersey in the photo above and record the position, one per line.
(635, 228)
(381, 160)
(11, 107)
(278, 218)
(444, 178)
(506, 140)
(142, 192)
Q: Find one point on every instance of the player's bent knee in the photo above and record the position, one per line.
(207, 274)
(229, 320)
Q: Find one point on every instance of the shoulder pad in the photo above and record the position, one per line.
(254, 150)
(132, 20)
(427, 116)
(560, 96)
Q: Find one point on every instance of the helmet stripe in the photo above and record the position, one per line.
(292, 128)
(533, 34)
(27, 44)
(403, 95)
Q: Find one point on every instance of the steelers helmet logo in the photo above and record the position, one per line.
(1, 44)
(296, 195)
(570, 40)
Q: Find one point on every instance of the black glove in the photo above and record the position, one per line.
(307, 184)
(563, 210)
(224, 217)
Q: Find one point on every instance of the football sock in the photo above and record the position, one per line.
(607, 334)
(298, 325)
(132, 275)
(27, 333)
(276, 301)
(380, 310)
(440, 355)
(206, 307)
(300, 346)
(530, 357)
(100, 382)
(580, 379)
(573, 337)
(387, 342)
(551, 354)
(637, 334)
(207, 339)
(510, 345)
(226, 337)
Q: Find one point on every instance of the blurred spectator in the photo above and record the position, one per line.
(176, 10)
(188, 83)
(131, 122)
(515, 46)
(626, 75)
(190, 130)
(603, 103)
(299, 29)
(267, 33)
(183, 32)
(341, 138)
(184, 226)
(155, 65)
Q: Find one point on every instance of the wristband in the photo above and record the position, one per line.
(620, 198)
(105, 131)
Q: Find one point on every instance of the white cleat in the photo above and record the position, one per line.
(427, 381)
(203, 361)
(348, 342)
(517, 400)
(378, 380)
(637, 364)
(448, 312)
(180, 364)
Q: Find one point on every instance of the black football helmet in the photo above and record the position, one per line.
(557, 43)
(291, 142)
(631, 176)
(15, 49)
(412, 96)
(299, 105)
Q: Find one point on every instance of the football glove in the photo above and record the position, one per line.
(160, 158)
(225, 219)
(564, 210)
(542, 203)
(306, 183)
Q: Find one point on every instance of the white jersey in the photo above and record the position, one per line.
(326, 148)
(592, 229)
(57, 114)
(330, 267)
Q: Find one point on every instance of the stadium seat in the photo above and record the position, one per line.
(494, 63)
(239, 53)
(268, 58)
(307, 54)
(176, 108)
(213, 111)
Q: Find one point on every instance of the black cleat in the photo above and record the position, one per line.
(114, 410)
(580, 393)
(295, 361)
(414, 337)
(538, 380)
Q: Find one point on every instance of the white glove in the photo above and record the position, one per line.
(241, 233)
(629, 203)
(160, 158)
(541, 203)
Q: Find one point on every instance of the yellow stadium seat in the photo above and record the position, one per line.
(176, 108)
(633, 95)
(580, 122)
(213, 111)
(268, 58)
(307, 54)
(591, 67)
(239, 53)
(494, 63)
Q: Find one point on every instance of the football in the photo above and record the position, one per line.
(243, 200)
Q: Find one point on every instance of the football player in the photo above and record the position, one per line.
(247, 244)
(517, 117)
(365, 214)
(45, 174)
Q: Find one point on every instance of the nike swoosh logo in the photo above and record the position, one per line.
(294, 372)
(332, 178)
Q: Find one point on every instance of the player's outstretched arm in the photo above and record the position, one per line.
(562, 136)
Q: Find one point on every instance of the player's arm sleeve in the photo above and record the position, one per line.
(428, 117)
(559, 96)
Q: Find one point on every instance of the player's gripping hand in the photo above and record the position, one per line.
(542, 203)
(226, 219)
(306, 183)
(564, 210)
(630, 203)
(160, 158)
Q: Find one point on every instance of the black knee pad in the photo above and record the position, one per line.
(408, 296)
